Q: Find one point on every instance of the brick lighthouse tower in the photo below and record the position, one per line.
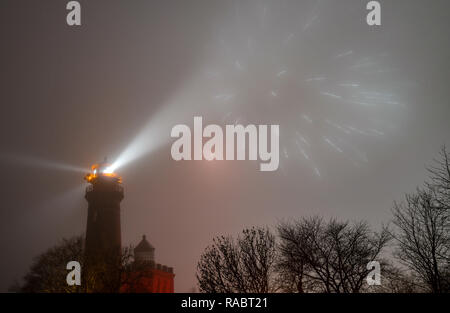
(103, 234)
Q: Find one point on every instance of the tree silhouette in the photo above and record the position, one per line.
(244, 265)
(422, 238)
(440, 180)
(48, 272)
(422, 223)
(319, 256)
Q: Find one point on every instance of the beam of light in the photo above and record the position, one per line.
(60, 207)
(60, 201)
(151, 137)
(42, 163)
(281, 73)
(156, 132)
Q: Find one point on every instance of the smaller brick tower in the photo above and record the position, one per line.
(152, 277)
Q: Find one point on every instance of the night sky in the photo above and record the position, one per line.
(362, 110)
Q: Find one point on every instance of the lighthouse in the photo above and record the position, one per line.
(103, 234)
(103, 268)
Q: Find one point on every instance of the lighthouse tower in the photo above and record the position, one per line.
(103, 234)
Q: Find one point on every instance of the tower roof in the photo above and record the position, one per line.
(144, 246)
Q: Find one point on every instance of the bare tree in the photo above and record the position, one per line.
(396, 280)
(244, 265)
(328, 256)
(440, 189)
(440, 179)
(111, 273)
(48, 272)
(423, 238)
(134, 275)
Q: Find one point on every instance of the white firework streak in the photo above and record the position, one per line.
(316, 170)
(349, 85)
(337, 126)
(337, 92)
(224, 97)
(312, 79)
(307, 118)
(332, 144)
(332, 95)
(344, 54)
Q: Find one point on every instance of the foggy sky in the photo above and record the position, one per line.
(361, 111)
